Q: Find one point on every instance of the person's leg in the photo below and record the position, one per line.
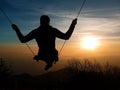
(48, 64)
(55, 56)
(36, 58)
(55, 59)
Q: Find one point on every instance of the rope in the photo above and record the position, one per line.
(30, 49)
(81, 8)
(9, 20)
(83, 3)
(62, 47)
(6, 16)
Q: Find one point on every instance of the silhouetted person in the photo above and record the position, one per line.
(45, 36)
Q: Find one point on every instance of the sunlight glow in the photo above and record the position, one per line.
(89, 43)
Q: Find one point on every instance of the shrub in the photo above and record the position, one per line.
(5, 73)
(94, 76)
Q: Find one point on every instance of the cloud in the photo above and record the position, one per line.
(98, 19)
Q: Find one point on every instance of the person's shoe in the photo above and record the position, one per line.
(48, 66)
(55, 61)
(36, 58)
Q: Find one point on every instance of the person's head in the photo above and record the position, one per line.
(44, 20)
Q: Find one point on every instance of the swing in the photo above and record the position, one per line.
(36, 57)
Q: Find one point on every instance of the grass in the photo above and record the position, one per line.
(94, 75)
(77, 66)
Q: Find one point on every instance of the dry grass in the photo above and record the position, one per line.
(86, 74)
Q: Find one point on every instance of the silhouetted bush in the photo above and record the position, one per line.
(5, 73)
(94, 76)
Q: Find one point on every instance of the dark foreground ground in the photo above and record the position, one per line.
(77, 76)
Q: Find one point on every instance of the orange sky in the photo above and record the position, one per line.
(21, 58)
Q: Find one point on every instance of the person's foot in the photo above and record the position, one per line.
(36, 58)
(48, 66)
(55, 61)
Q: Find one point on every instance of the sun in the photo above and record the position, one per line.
(90, 42)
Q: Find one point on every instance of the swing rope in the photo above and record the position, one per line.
(5, 15)
(9, 20)
(83, 3)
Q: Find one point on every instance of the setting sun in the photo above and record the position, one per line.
(89, 43)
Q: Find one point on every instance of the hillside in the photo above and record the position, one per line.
(77, 76)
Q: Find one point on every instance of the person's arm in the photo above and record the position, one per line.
(68, 34)
(22, 38)
(71, 29)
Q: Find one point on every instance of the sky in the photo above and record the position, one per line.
(98, 18)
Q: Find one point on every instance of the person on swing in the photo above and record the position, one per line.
(45, 36)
